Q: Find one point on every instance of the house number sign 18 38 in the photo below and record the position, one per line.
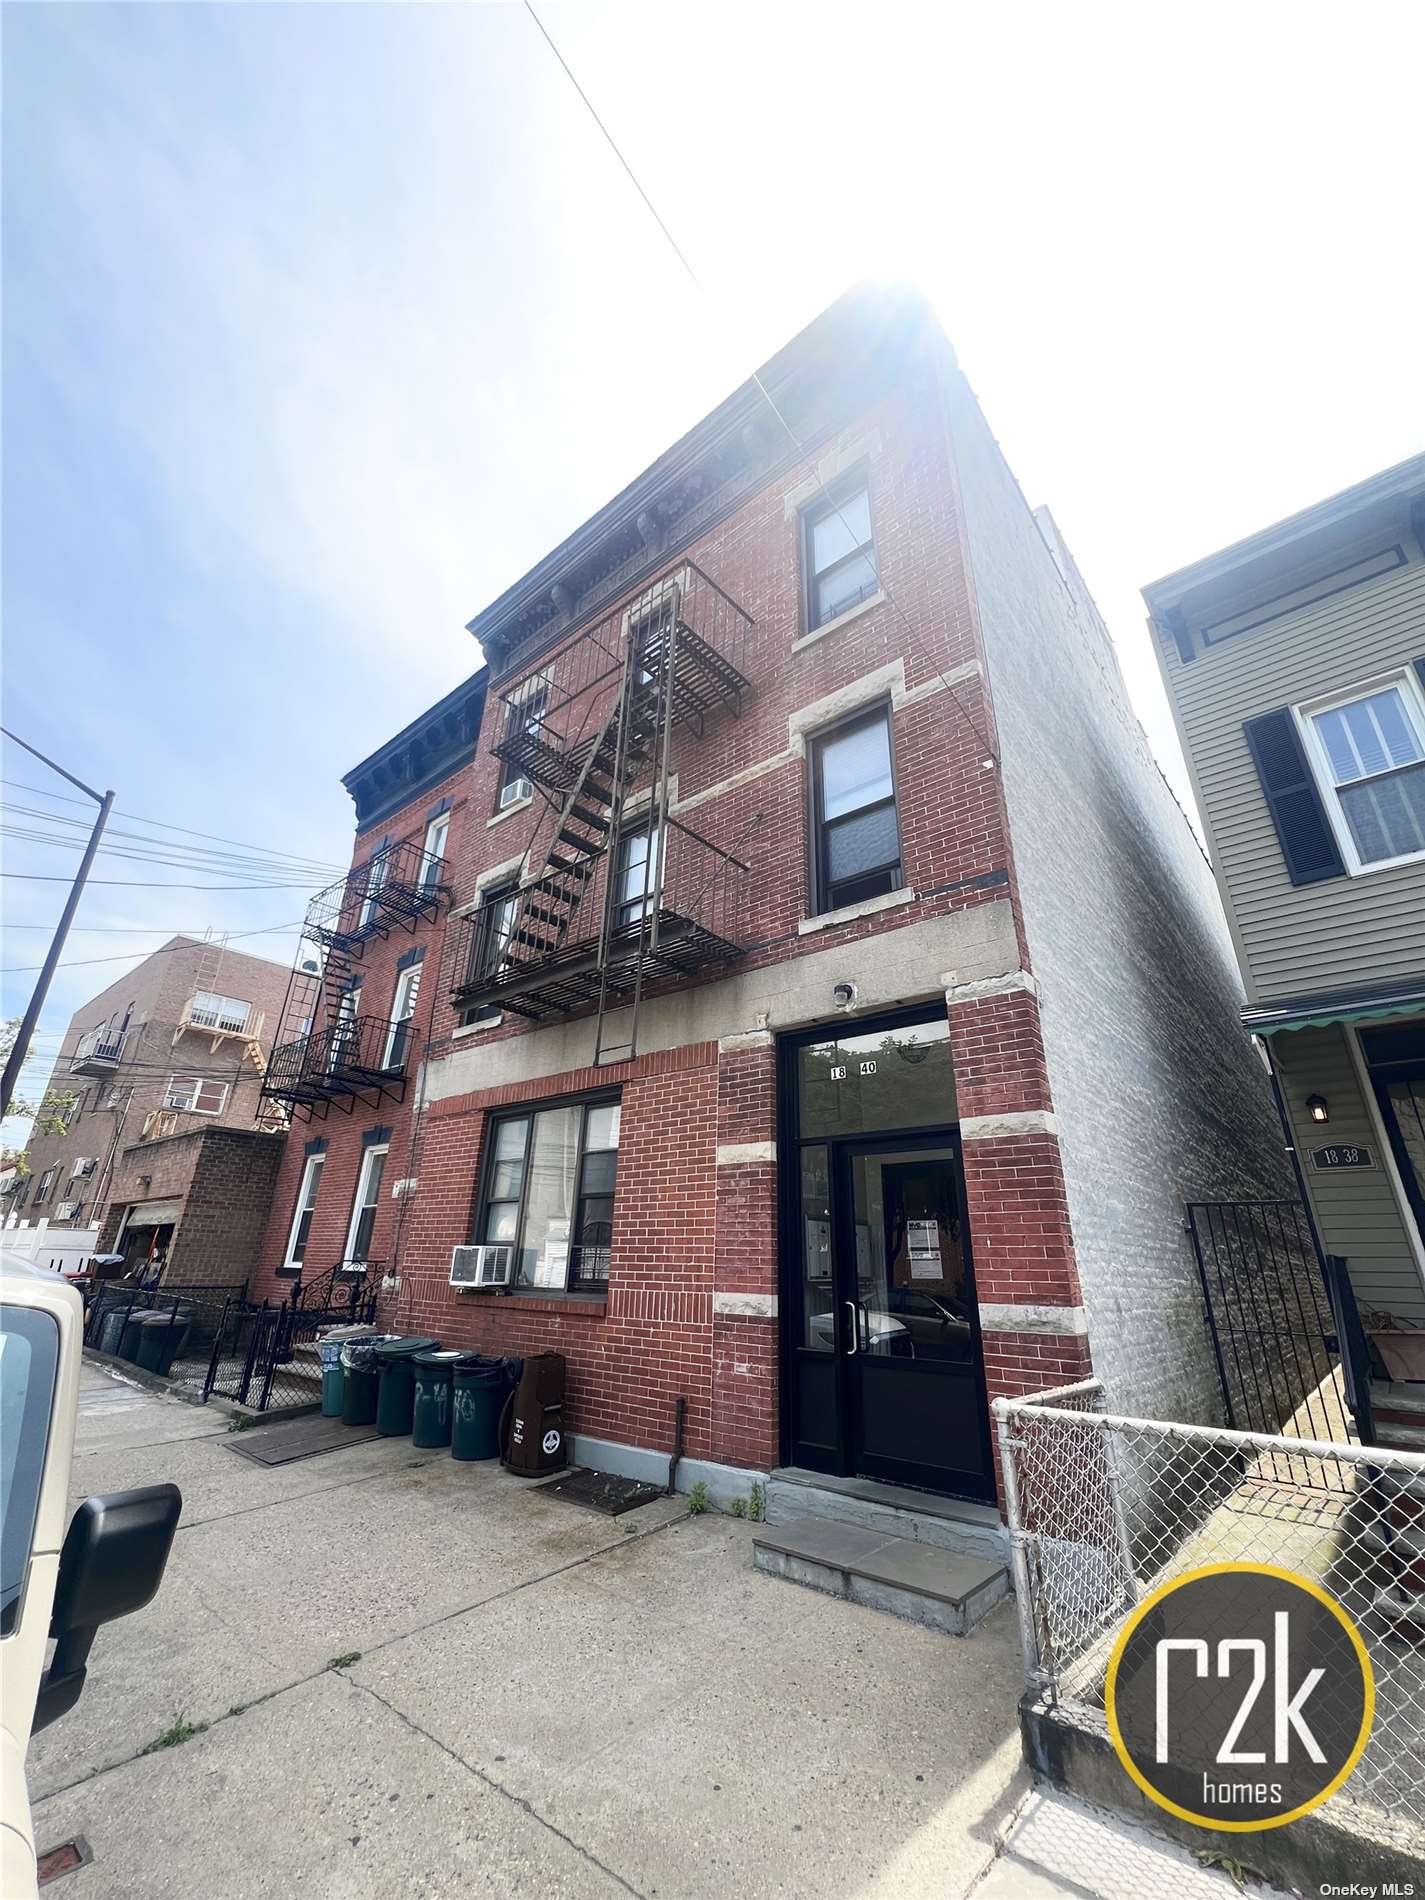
(1342, 1155)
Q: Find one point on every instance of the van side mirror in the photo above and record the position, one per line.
(112, 1563)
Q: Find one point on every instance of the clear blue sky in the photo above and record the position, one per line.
(323, 322)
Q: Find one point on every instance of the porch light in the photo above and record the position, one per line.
(1317, 1109)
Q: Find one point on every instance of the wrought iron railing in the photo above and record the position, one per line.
(399, 885)
(355, 1053)
(96, 1049)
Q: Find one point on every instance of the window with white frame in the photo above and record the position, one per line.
(1367, 749)
(306, 1207)
(436, 838)
(196, 1093)
(403, 1009)
(524, 718)
(43, 1186)
(211, 1011)
(377, 868)
(368, 1199)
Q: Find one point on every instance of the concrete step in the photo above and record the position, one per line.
(893, 1510)
(921, 1582)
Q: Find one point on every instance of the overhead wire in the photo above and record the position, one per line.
(162, 824)
(797, 443)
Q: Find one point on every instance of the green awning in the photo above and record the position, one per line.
(1274, 1023)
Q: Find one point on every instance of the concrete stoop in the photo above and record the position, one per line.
(922, 1582)
(921, 1517)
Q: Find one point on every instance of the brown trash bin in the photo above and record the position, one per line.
(532, 1440)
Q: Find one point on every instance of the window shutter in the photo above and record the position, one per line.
(1302, 827)
(1420, 669)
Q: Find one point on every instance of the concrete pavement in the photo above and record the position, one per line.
(546, 1701)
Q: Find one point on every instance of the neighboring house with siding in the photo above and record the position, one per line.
(1295, 663)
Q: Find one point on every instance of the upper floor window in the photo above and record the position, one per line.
(43, 1186)
(838, 555)
(1367, 751)
(377, 869)
(210, 1011)
(856, 837)
(637, 876)
(403, 1009)
(525, 716)
(549, 1193)
(436, 838)
(196, 1094)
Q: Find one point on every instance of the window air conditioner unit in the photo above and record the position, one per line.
(515, 791)
(65, 1210)
(482, 1266)
(81, 1167)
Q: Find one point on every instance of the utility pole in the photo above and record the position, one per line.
(105, 802)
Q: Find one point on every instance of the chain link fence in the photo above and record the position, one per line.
(1103, 1510)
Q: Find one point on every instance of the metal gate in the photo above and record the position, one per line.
(1286, 1337)
(262, 1355)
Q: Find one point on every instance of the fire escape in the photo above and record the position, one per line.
(620, 893)
(339, 1055)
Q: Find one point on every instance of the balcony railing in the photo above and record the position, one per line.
(352, 1056)
(207, 1021)
(97, 1052)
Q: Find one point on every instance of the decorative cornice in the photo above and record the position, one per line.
(420, 755)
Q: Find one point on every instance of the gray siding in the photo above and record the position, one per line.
(1295, 941)
(1356, 1209)
(1159, 1095)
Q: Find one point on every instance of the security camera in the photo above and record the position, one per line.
(843, 995)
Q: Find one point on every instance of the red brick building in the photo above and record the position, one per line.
(833, 1006)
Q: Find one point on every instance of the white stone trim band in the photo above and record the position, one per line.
(956, 992)
(745, 1305)
(736, 1154)
(1032, 1319)
(748, 1039)
(1028, 1121)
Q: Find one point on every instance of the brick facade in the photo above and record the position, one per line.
(223, 1177)
(692, 1303)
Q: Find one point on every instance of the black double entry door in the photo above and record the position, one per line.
(881, 1366)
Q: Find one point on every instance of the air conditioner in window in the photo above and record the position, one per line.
(65, 1210)
(482, 1266)
(515, 791)
(81, 1168)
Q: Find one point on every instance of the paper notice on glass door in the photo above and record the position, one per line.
(923, 1246)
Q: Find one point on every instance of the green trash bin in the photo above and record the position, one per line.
(481, 1387)
(333, 1379)
(160, 1337)
(359, 1379)
(434, 1390)
(396, 1396)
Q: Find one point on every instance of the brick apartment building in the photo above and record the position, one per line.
(357, 1015)
(834, 1007)
(160, 1078)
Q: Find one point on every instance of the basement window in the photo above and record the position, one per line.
(549, 1194)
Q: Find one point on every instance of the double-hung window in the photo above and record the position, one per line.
(549, 1194)
(637, 876)
(1368, 752)
(403, 1009)
(368, 1199)
(378, 867)
(436, 838)
(838, 555)
(524, 718)
(43, 1186)
(196, 1094)
(306, 1207)
(855, 833)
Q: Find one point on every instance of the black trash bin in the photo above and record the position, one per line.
(396, 1393)
(133, 1326)
(109, 1327)
(359, 1379)
(431, 1411)
(160, 1338)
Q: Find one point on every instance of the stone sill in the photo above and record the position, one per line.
(574, 1305)
(508, 811)
(841, 620)
(848, 914)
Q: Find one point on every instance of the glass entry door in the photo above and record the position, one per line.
(882, 1350)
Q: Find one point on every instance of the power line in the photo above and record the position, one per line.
(766, 394)
(139, 884)
(163, 825)
(162, 851)
(130, 956)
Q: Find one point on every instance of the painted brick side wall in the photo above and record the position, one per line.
(1158, 1094)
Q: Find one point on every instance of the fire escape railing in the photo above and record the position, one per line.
(624, 892)
(337, 1055)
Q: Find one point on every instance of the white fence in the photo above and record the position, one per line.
(54, 1249)
(1103, 1510)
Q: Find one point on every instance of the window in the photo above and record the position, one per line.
(43, 1186)
(209, 1011)
(403, 1008)
(437, 833)
(637, 876)
(198, 1096)
(549, 1194)
(497, 921)
(346, 1039)
(378, 866)
(1368, 753)
(66, 1114)
(368, 1199)
(524, 718)
(306, 1207)
(838, 555)
(856, 839)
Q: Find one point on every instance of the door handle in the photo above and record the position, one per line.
(855, 1328)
